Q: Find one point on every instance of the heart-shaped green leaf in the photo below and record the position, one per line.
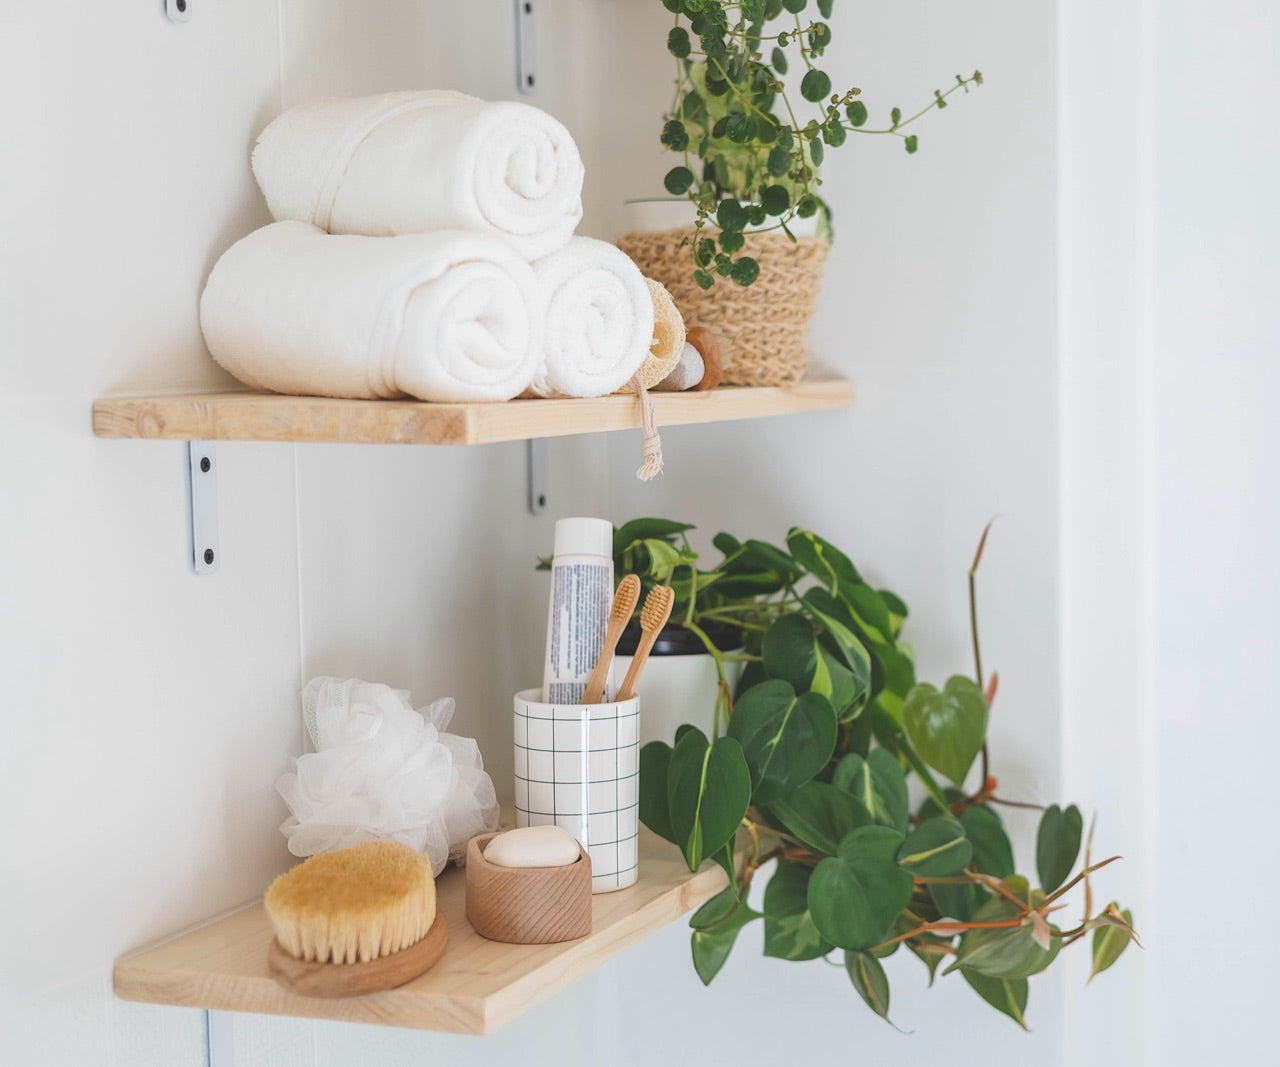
(786, 739)
(1003, 952)
(936, 848)
(1008, 995)
(793, 652)
(855, 895)
(834, 619)
(789, 932)
(655, 759)
(708, 791)
(1057, 845)
(821, 558)
(947, 728)
(879, 785)
(820, 815)
(716, 927)
(869, 980)
(992, 853)
(1109, 941)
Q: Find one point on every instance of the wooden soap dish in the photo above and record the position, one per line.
(527, 905)
(310, 978)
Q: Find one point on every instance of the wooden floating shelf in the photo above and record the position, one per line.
(271, 417)
(477, 986)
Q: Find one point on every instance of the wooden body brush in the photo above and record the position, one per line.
(355, 920)
(625, 600)
(657, 610)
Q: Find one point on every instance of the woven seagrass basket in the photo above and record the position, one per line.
(762, 327)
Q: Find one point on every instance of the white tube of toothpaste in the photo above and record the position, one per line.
(581, 595)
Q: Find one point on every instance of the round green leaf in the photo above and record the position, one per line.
(678, 43)
(740, 128)
(704, 279)
(855, 896)
(786, 739)
(731, 215)
(674, 136)
(678, 180)
(732, 240)
(834, 134)
(779, 60)
(815, 86)
(936, 848)
(816, 153)
(911, 143)
(947, 728)
(745, 271)
(775, 199)
(857, 113)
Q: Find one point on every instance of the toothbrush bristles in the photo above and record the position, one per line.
(625, 598)
(657, 608)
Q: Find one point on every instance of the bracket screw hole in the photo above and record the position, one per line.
(205, 464)
(181, 5)
(208, 556)
(542, 500)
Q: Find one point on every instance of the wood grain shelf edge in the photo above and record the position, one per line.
(247, 416)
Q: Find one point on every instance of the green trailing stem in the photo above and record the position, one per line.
(752, 145)
(815, 750)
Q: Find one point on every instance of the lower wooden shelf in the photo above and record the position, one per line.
(477, 986)
(249, 416)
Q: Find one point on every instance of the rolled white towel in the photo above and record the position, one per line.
(599, 323)
(412, 162)
(446, 316)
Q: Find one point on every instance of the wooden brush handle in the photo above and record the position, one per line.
(594, 692)
(628, 690)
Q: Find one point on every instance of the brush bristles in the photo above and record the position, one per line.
(625, 599)
(657, 608)
(353, 905)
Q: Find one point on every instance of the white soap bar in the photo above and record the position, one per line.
(686, 374)
(532, 846)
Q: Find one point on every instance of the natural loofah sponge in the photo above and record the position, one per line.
(355, 904)
(668, 339)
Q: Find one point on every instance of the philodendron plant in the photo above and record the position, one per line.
(751, 149)
(811, 769)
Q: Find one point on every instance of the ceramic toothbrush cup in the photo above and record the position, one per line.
(578, 766)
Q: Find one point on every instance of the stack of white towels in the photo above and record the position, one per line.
(425, 246)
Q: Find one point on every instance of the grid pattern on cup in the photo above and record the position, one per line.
(578, 766)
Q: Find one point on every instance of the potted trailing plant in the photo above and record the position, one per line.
(752, 118)
(808, 765)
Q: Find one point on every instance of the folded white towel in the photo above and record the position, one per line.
(417, 161)
(445, 316)
(599, 323)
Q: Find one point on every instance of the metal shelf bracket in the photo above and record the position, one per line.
(202, 496)
(526, 46)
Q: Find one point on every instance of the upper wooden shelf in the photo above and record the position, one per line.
(271, 417)
(477, 986)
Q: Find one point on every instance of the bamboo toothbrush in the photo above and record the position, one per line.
(657, 610)
(624, 603)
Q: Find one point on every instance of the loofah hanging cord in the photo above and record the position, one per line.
(652, 447)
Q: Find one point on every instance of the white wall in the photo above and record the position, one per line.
(1067, 322)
